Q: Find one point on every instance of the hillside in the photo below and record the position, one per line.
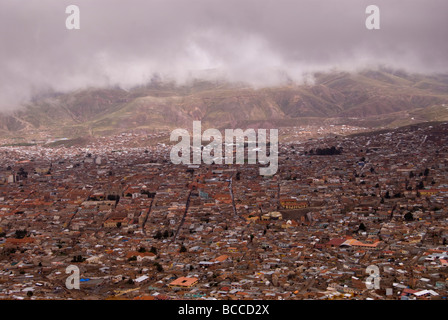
(372, 98)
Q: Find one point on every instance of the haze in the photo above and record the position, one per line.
(260, 42)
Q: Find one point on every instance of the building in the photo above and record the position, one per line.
(183, 282)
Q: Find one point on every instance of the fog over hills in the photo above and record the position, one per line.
(375, 98)
(154, 64)
(265, 43)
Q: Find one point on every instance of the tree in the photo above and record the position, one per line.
(420, 185)
(78, 258)
(182, 249)
(408, 216)
(158, 267)
(20, 234)
(113, 197)
(426, 173)
(22, 173)
(142, 250)
(326, 151)
(362, 227)
(158, 235)
(166, 234)
(153, 250)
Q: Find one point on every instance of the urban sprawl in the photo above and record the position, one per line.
(139, 227)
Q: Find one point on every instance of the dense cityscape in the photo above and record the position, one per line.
(139, 227)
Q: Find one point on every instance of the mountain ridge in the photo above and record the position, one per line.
(369, 95)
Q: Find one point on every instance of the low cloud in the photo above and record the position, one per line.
(261, 42)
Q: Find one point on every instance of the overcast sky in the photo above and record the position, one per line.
(263, 42)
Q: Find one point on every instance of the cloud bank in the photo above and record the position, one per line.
(261, 42)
